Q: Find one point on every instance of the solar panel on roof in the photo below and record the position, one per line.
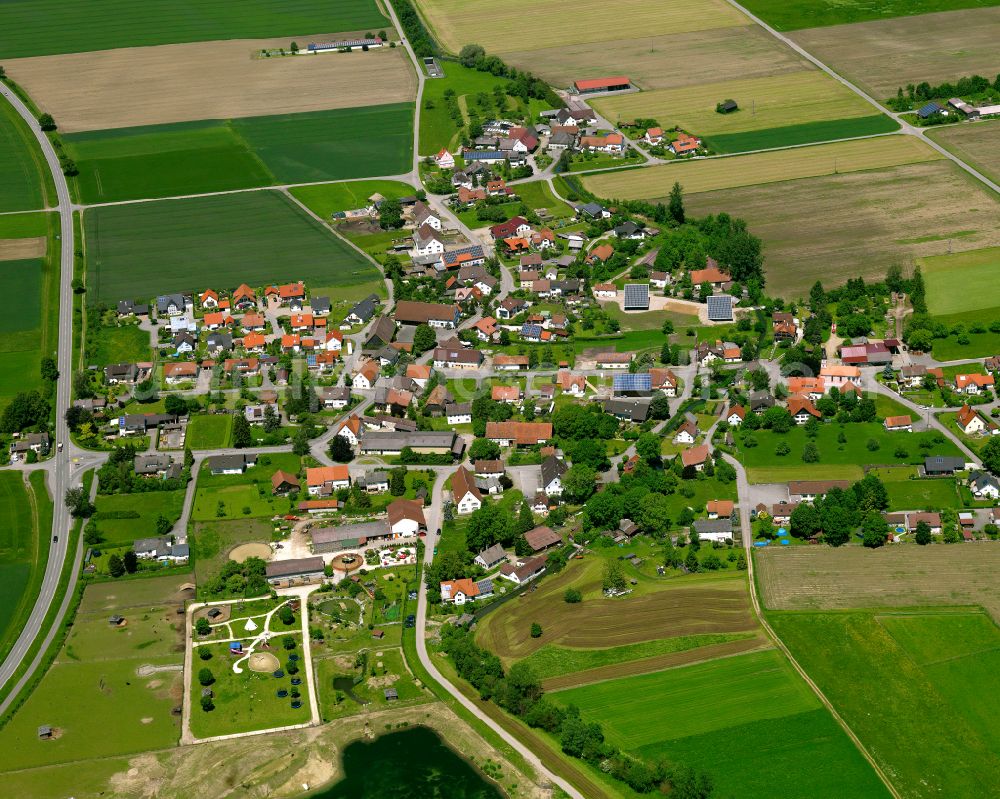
(640, 381)
(636, 295)
(720, 308)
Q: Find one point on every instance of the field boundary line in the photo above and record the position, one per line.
(743, 493)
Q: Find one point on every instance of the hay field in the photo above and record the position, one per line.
(21, 164)
(41, 27)
(839, 226)
(760, 168)
(211, 80)
(668, 61)
(820, 578)
(16, 249)
(785, 15)
(767, 102)
(145, 249)
(949, 276)
(978, 145)
(882, 55)
(554, 23)
(664, 611)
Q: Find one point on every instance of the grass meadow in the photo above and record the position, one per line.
(219, 155)
(93, 680)
(29, 27)
(25, 522)
(748, 721)
(234, 494)
(787, 15)
(22, 184)
(149, 505)
(948, 276)
(256, 237)
(329, 198)
(920, 677)
(121, 344)
(802, 133)
(211, 542)
(209, 431)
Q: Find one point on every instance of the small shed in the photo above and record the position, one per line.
(378, 635)
(214, 613)
(391, 695)
(727, 107)
(116, 621)
(44, 732)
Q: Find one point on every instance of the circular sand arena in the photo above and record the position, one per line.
(263, 662)
(244, 551)
(347, 563)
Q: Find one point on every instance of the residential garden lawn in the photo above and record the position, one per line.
(23, 226)
(326, 199)
(757, 702)
(247, 701)
(209, 431)
(711, 174)
(211, 542)
(791, 98)
(125, 344)
(22, 185)
(915, 494)
(803, 133)
(143, 249)
(97, 668)
(927, 677)
(887, 406)
(832, 453)
(237, 492)
(975, 443)
(149, 506)
(977, 145)
(393, 673)
(25, 522)
(857, 223)
(786, 15)
(56, 26)
(537, 194)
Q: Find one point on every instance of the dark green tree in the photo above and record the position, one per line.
(116, 568)
(242, 436)
(675, 206)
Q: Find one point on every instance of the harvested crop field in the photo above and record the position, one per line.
(39, 27)
(146, 249)
(15, 249)
(767, 102)
(211, 80)
(882, 55)
(760, 168)
(668, 61)
(821, 578)
(858, 224)
(555, 23)
(978, 145)
(667, 610)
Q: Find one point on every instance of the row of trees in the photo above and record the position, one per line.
(840, 512)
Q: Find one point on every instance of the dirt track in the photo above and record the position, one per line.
(208, 80)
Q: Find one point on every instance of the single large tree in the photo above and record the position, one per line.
(242, 436)
(676, 203)
(341, 449)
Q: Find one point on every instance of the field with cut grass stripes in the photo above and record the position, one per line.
(42, 27)
(145, 249)
(21, 175)
(804, 133)
(948, 278)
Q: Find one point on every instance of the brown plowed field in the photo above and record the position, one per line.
(629, 668)
(662, 611)
(209, 80)
(819, 578)
(16, 249)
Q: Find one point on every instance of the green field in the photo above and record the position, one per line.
(256, 237)
(787, 15)
(219, 155)
(94, 679)
(805, 133)
(922, 494)
(236, 493)
(371, 690)
(21, 176)
(23, 226)
(125, 344)
(920, 677)
(748, 721)
(30, 27)
(325, 200)
(24, 546)
(947, 278)
(21, 279)
(150, 505)
(209, 431)
(212, 541)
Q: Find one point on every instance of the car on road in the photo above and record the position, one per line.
(55, 538)
(59, 446)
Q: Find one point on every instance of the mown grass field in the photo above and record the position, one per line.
(786, 15)
(149, 505)
(25, 525)
(760, 168)
(792, 98)
(148, 248)
(884, 54)
(755, 704)
(21, 279)
(121, 344)
(927, 681)
(199, 157)
(948, 277)
(23, 226)
(859, 224)
(804, 133)
(325, 200)
(820, 578)
(21, 167)
(243, 496)
(978, 145)
(209, 431)
(29, 28)
(556, 23)
(94, 679)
